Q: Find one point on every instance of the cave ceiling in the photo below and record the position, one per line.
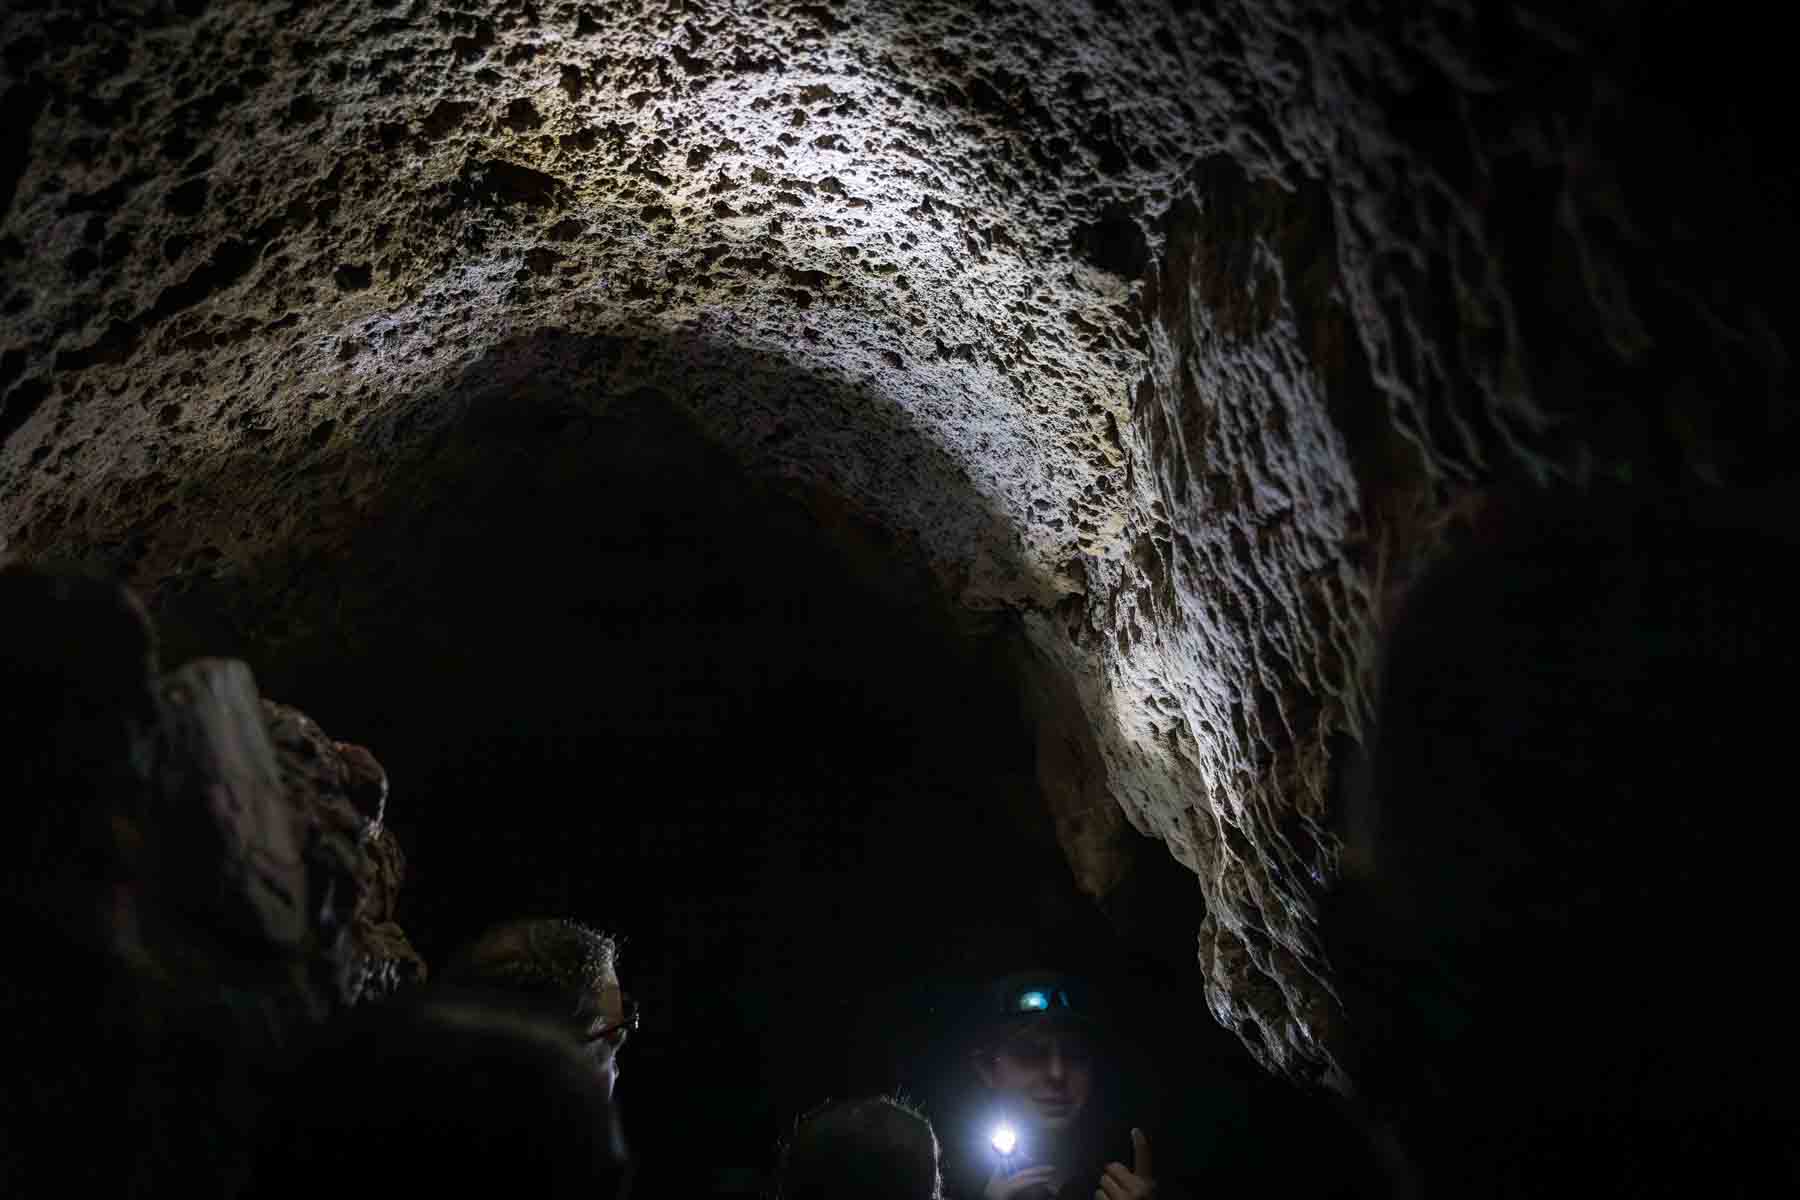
(1171, 331)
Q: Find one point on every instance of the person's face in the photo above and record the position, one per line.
(1046, 1075)
(601, 1034)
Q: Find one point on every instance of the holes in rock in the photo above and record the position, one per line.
(446, 116)
(228, 264)
(107, 199)
(187, 199)
(20, 103)
(353, 277)
(81, 263)
(20, 405)
(571, 82)
(501, 183)
(303, 110)
(1114, 243)
(521, 116)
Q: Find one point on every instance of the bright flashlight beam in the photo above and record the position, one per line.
(1004, 1139)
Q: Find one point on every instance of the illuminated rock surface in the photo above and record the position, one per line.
(1172, 329)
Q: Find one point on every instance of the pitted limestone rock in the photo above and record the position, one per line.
(356, 865)
(1167, 325)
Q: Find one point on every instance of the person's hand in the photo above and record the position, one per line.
(1137, 1183)
(1018, 1186)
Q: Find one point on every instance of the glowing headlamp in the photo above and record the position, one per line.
(1039, 994)
(1005, 1139)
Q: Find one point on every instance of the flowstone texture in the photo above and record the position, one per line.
(1172, 328)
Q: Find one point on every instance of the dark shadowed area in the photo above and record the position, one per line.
(744, 732)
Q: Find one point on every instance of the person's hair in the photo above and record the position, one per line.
(539, 957)
(876, 1148)
(447, 1090)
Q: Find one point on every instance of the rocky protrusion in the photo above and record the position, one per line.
(233, 833)
(178, 825)
(355, 865)
(200, 875)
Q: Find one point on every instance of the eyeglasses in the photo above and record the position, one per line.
(614, 1035)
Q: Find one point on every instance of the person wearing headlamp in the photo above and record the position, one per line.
(1040, 1058)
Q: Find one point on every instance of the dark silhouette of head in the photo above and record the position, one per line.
(1565, 869)
(78, 660)
(561, 968)
(455, 1094)
(878, 1148)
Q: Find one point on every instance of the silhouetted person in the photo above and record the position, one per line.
(78, 728)
(1048, 1124)
(91, 1040)
(566, 970)
(456, 1094)
(877, 1148)
(1565, 926)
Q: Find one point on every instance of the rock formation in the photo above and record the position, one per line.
(200, 880)
(1174, 329)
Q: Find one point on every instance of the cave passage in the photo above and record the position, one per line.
(642, 690)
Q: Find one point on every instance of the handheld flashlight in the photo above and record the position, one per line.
(1005, 1140)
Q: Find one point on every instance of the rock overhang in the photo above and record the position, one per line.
(360, 202)
(1166, 329)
